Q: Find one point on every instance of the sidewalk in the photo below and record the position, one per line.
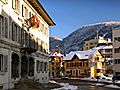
(28, 84)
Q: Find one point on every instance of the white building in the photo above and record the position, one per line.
(116, 52)
(24, 41)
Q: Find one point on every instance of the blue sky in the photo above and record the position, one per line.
(69, 15)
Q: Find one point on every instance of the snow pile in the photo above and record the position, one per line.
(99, 84)
(66, 86)
(117, 81)
(99, 80)
(112, 86)
(89, 79)
(52, 81)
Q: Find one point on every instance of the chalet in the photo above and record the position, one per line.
(83, 63)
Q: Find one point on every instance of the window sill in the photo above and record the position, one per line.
(17, 12)
(2, 73)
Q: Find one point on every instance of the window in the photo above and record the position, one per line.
(108, 50)
(14, 32)
(6, 27)
(117, 61)
(29, 14)
(1, 25)
(42, 28)
(41, 66)
(97, 58)
(45, 66)
(3, 63)
(16, 5)
(46, 31)
(19, 33)
(117, 50)
(52, 63)
(98, 70)
(52, 68)
(38, 67)
(42, 44)
(25, 12)
(117, 39)
(80, 64)
(86, 63)
(67, 65)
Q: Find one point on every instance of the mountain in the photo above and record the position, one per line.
(54, 42)
(76, 39)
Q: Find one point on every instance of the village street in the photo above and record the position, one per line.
(59, 84)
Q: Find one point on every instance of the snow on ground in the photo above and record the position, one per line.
(94, 79)
(113, 86)
(52, 81)
(117, 82)
(99, 84)
(65, 86)
(89, 79)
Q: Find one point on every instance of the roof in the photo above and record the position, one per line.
(38, 7)
(81, 54)
(55, 54)
(104, 47)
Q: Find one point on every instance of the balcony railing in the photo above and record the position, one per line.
(29, 46)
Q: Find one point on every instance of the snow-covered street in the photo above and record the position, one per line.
(84, 85)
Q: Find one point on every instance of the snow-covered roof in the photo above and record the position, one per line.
(55, 54)
(104, 47)
(69, 56)
(81, 54)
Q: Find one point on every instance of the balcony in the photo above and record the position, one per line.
(29, 46)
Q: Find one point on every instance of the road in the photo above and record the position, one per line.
(82, 85)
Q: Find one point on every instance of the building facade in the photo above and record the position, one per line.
(90, 44)
(105, 46)
(24, 41)
(108, 55)
(55, 64)
(96, 42)
(76, 67)
(116, 52)
(86, 63)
